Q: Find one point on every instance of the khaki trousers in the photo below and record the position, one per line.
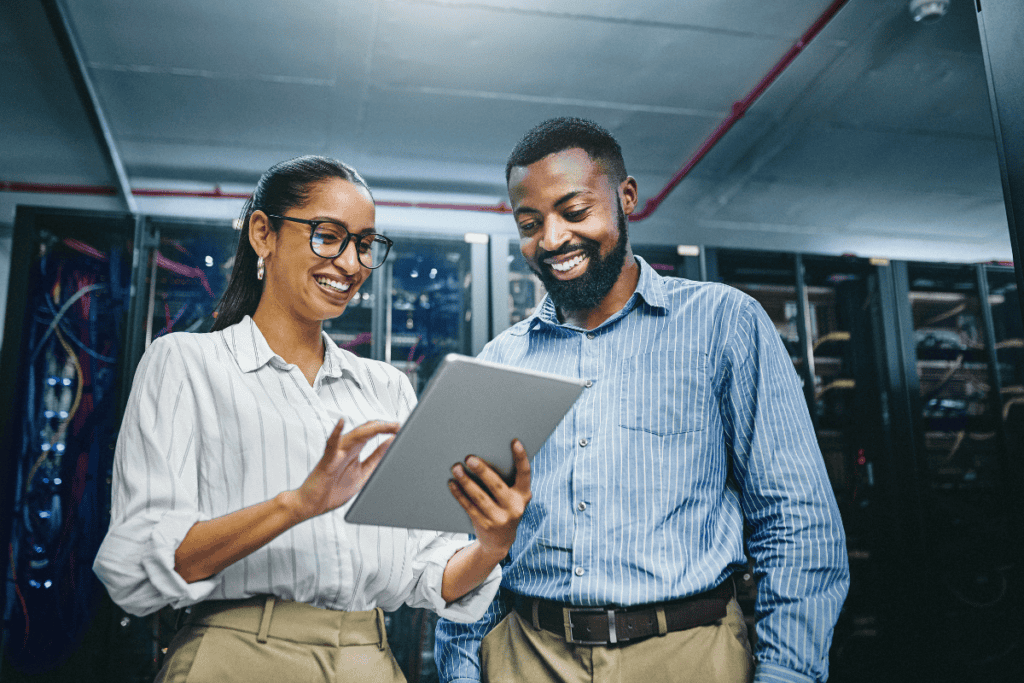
(267, 639)
(717, 653)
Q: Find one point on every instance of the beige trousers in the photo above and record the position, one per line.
(717, 653)
(267, 639)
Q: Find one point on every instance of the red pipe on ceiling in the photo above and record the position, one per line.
(738, 110)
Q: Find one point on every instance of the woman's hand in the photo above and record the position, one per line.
(339, 475)
(210, 546)
(495, 510)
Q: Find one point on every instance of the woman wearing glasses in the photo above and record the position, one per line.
(239, 446)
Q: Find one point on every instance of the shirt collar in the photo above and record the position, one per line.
(248, 345)
(650, 289)
(252, 351)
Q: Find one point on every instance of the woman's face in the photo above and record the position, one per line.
(298, 281)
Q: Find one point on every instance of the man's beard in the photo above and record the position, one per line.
(589, 289)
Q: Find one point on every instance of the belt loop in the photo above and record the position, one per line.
(662, 622)
(536, 613)
(268, 611)
(567, 623)
(381, 629)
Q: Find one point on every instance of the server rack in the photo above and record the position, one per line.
(69, 326)
(963, 481)
(821, 308)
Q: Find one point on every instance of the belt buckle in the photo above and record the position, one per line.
(567, 613)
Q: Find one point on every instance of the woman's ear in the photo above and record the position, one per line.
(261, 236)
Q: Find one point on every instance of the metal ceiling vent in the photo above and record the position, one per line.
(928, 11)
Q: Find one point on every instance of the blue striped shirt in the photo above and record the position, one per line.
(694, 425)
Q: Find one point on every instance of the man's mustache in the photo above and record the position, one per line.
(588, 249)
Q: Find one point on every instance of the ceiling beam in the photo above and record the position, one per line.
(64, 33)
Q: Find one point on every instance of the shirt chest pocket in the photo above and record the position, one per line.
(663, 396)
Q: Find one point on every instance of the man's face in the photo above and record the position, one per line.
(572, 226)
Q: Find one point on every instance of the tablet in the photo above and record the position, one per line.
(468, 407)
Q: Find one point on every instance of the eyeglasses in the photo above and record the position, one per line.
(328, 239)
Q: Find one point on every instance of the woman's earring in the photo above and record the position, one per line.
(260, 268)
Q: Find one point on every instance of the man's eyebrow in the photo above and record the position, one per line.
(568, 196)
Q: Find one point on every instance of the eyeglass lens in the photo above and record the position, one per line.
(328, 241)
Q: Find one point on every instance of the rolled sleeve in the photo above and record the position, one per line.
(429, 564)
(136, 563)
(154, 496)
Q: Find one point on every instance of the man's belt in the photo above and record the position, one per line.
(610, 625)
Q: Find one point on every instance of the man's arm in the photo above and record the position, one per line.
(457, 646)
(797, 540)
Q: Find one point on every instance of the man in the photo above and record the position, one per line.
(692, 428)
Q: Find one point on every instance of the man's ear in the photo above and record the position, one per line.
(628, 193)
(261, 236)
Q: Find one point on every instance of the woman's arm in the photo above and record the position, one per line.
(495, 513)
(216, 544)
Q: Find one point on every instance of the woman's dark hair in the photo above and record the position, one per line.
(557, 135)
(284, 186)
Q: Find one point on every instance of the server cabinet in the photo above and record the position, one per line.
(69, 326)
(968, 483)
(428, 308)
(187, 270)
(821, 308)
(682, 262)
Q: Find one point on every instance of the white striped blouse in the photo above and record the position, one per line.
(217, 422)
(693, 425)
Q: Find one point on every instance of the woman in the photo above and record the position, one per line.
(238, 448)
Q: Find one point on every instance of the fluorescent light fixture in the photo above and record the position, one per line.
(878, 261)
(688, 250)
(477, 237)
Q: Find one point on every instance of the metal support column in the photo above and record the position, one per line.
(499, 284)
(902, 480)
(1001, 24)
(803, 327)
(480, 297)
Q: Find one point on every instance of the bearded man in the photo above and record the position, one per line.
(690, 449)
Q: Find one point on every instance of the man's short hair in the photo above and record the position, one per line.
(557, 135)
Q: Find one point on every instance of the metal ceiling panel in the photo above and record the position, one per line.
(777, 19)
(45, 135)
(482, 50)
(299, 39)
(163, 107)
(938, 93)
(827, 157)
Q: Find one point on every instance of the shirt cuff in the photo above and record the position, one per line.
(136, 564)
(471, 606)
(773, 673)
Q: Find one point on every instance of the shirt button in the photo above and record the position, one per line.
(584, 442)
(581, 506)
(590, 335)
(579, 571)
(588, 384)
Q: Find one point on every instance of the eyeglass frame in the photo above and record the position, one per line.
(314, 224)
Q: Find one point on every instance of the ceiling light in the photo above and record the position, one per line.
(928, 11)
